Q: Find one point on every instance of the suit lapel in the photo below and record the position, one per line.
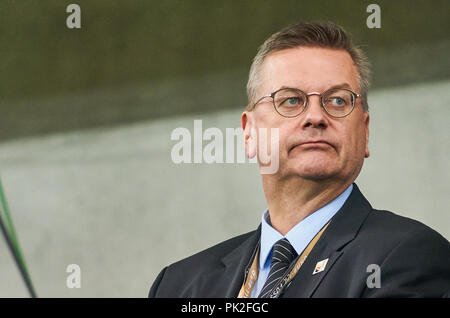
(343, 228)
(235, 264)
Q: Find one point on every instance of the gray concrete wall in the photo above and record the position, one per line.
(112, 201)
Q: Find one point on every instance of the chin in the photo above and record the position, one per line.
(316, 176)
(315, 173)
(312, 171)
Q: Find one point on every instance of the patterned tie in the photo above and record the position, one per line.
(282, 257)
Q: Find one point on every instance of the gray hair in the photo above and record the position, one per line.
(310, 34)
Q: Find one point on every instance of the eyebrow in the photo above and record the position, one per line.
(343, 85)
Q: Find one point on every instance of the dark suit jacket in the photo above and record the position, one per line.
(414, 260)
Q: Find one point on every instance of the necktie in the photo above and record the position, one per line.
(282, 256)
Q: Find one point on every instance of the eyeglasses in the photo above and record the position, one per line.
(291, 102)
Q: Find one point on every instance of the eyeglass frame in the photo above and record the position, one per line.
(272, 95)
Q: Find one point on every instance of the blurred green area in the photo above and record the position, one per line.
(135, 60)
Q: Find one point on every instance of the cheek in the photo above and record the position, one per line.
(353, 145)
(288, 133)
(267, 120)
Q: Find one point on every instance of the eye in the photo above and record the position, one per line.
(288, 100)
(292, 101)
(337, 101)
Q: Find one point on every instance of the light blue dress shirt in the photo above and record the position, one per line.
(299, 236)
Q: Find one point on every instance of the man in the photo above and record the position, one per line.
(319, 237)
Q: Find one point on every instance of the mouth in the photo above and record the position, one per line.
(311, 144)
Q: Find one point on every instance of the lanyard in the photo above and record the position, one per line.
(252, 275)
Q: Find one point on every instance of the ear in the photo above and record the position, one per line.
(366, 123)
(247, 124)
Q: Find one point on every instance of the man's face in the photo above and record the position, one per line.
(313, 145)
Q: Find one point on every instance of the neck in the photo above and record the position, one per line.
(290, 201)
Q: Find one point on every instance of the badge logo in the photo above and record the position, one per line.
(320, 266)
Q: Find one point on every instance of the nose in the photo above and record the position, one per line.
(314, 116)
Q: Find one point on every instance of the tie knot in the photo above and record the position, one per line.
(283, 252)
(282, 256)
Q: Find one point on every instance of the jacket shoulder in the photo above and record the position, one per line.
(384, 231)
(414, 259)
(396, 227)
(211, 255)
(182, 278)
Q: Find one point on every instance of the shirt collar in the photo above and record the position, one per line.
(302, 233)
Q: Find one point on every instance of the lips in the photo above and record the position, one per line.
(311, 143)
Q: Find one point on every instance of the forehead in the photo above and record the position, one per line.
(309, 69)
